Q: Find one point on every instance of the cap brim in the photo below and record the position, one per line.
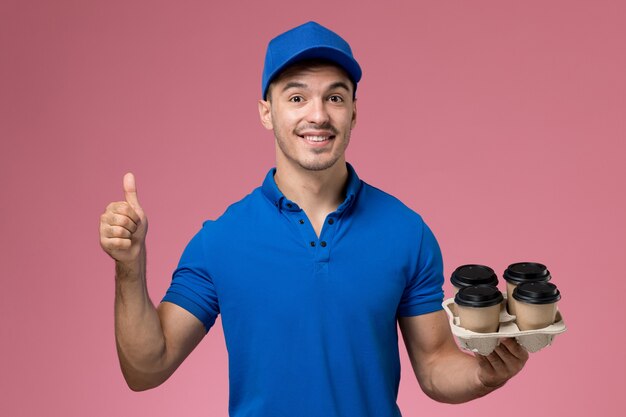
(337, 56)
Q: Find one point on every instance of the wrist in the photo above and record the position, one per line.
(129, 269)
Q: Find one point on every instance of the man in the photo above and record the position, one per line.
(311, 272)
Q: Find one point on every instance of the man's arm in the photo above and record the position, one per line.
(444, 372)
(151, 343)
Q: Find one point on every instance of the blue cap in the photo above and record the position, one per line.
(308, 41)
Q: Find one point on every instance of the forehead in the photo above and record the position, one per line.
(323, 73)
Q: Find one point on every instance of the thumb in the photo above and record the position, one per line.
(130, 190)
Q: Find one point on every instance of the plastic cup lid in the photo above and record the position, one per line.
(469, 275)
(537, 293)
(526, 272)
(478, 296)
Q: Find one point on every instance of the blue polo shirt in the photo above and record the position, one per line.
(310, 323)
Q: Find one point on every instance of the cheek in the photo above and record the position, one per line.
(281, 118)
(277, 121)
(348, 120)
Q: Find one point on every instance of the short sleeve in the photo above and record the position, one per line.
(192, 287)
(424, 292)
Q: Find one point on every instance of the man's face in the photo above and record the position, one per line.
(312, 112)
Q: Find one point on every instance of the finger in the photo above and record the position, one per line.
(125, 209)
(496, 361)
(515, 349)
(513, 363)
(130, 190)
(117, 232)
(484, 362)
(116, 243)
(489, 376)
(112, 219)
(507, 358)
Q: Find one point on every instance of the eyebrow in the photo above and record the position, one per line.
(294, 84)
(339, 84)
(297, 84)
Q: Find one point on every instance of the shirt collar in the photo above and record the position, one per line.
(276, 197)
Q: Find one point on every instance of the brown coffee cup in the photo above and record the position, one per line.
(472, 275)
(536, 304)
(478, 308)
(520, 273)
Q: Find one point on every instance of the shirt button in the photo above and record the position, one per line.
(301, 221)
(331, 221)
(323, 243)
(312, 243)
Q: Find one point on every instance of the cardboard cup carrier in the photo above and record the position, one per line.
(471, 314)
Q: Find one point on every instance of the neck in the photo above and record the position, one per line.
(313, 191)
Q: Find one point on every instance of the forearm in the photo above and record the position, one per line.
(151, 343)
(138, 332)
(453, 378)
(444, 372)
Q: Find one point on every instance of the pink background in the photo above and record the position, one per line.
(501, 122)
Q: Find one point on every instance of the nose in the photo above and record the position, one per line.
(318, 113)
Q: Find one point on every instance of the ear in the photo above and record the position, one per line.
(353, 123)
(265, 113)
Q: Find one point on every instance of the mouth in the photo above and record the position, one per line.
(317, 139)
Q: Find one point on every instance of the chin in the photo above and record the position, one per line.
(318, 165)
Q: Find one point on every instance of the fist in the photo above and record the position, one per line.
(502, 364)
(123, 225)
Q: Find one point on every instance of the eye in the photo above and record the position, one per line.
(335, 98)
(296, 99)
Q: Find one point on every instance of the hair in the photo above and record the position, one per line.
(306, 64)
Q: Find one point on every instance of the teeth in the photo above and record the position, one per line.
(316, 138)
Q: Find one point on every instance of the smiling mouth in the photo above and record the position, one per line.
(317, 139)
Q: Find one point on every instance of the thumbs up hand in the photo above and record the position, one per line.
(123, 226)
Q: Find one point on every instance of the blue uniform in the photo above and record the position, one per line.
(311, 323)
